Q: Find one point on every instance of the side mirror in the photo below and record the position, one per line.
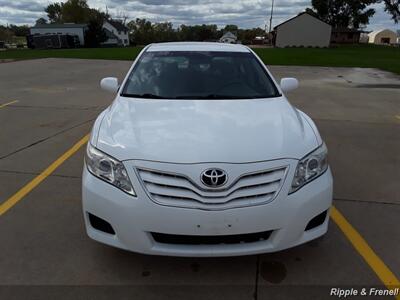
(289, 84)
(109, 84)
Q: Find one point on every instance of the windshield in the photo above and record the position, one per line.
(199, 75)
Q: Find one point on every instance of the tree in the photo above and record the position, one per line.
(198, 32)
(206, 32)
(343, 13)
(6, 34)
(22, 30)
(247, 35)
(163, 32)
(142, 31)
(71, 11)
(393, 8)
(54, 12)
(231, 28)
(78, 11)
(41, 21)
(121, 15)
(95, 34)
(75, 11)
(185, 33)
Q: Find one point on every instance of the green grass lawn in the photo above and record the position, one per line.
(86, 53)
(366, 56)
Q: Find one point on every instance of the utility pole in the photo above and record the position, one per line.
(270, 19)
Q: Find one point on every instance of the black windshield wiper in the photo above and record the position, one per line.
(144, 96)
(210, 96)
(189, 97)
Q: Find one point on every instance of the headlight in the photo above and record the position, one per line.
(109, 169)
(310, 167)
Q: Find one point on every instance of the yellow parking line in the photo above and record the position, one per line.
(10, 202)
(362, 247)
(9, 103)
(358, 242)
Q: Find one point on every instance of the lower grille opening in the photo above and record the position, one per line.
(317, 221)
(100, 224)
(210, 239)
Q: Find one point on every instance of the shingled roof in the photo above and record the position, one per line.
(64, 25)
(118, 25)
(299, 15)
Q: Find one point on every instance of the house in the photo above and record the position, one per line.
(111, 39)
(345, 36)
(303, 30)
(117, 33)
(228, 38)
(382, 37)
(61, 29)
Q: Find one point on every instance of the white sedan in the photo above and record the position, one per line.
(201, 154)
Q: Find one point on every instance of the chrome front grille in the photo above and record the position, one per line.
(179, 190)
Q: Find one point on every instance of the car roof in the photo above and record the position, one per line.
(197, 46)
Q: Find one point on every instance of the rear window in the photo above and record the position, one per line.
(199, 75)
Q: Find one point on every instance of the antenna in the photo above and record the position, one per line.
(270, 19)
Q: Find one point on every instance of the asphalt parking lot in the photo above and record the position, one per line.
(48, 105)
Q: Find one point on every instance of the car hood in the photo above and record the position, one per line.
(195, 131)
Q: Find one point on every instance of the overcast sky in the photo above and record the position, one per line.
(244, 13)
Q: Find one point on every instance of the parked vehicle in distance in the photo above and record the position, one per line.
(201, 154)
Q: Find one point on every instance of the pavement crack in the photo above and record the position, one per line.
(92, 108)
(392, 123)
(37, 173)
(366, 201)
(46, 138)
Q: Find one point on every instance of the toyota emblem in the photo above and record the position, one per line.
(214, 177)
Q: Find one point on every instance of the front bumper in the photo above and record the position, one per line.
(135, 218)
